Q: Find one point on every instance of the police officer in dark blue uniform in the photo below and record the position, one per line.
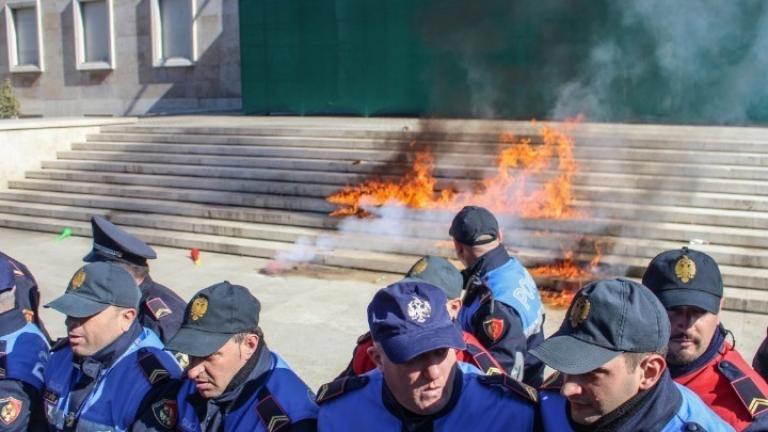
(610, 354)
(27, 293)
(98, 376)
(418, 385)
(234, 381)
(502, 306)
(161, 310)
(23, 356)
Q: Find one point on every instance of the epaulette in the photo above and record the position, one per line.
(553, 382)
(754, 400)
(158, 308)
(60, 343)
(340, 386)
(507, 383)
(153, 369)
(364, 338)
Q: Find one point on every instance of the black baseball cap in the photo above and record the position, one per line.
(7, 277)
(474, 226)
(605, 318)
(112, 243)
(95, 287)
(685, 277)
(439, 272)
(410, 318)
(213, 316)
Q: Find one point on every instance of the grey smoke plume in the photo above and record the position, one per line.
(699, 60)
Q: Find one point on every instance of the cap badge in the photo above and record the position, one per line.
(685, 269)
(199, 308)
(77, 280)
(579, 311)
(419, 267)
(419, 310)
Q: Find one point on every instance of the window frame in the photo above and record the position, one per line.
(12, 36)
(79, 26)
(158, 58)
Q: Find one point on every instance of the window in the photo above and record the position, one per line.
(25, 44)
(94, 41)
(174, 42)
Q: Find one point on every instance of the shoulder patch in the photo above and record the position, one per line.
(506, 383)
(166, 413)
(152, 367)
(553, 382)
(754, 400)
(271, 413)
(158, 308)
(10, 408)
(337, 388)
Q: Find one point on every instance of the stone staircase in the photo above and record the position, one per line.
(257, 186)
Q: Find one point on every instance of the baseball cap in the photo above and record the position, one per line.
(685, 277)
(605, 318)
(7, 278)
(111, 242)
(410, 318)
(213, 316)
(95, 287)
(439, 272)
(473, 226)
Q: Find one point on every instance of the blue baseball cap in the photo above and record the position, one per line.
(474, 226)
(94, 288)
(112, 243)
(7, 278)
(685, 277)
(605, 319)
(409, 318)
(439, 272)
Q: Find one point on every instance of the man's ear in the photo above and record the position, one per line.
(652, 368)
(128, 315)
(251, 343)
(374, 352)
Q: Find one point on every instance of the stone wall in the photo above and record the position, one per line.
(134, 86)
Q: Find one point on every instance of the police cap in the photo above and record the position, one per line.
(7, 277)
(439, 272)
(685, 277)
(112, 243)
(474, 226)
(606, 318)
(213, 316)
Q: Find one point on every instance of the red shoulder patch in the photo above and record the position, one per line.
(494, 328)
(166, 413)
(10, 408)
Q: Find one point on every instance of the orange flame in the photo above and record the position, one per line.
(509, 191)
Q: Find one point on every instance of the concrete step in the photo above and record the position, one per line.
(90, 182)
(580, 152)
(339, 256)
(341, 179)
(490, 141)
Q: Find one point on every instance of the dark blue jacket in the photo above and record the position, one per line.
(161, 310)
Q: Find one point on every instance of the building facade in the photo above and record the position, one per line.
(119, 57)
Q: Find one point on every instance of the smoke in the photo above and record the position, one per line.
(699, 61)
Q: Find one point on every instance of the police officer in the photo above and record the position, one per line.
(502, 306)
(610, 351)
(27, 292)
(97, 377)
(418, 385)
(22, 362)
(234, 381)
(160, 308)
(689, 285)
(438, 272)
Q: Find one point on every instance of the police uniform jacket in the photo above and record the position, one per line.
(27, 293)
(503, 309)
(478, 402)
(667, 407)
(162, 310)
(270, 398)
(23, 357)
(725, 382)
(105, 394)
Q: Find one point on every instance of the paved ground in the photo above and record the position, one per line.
(311, 317)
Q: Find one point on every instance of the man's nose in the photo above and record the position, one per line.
(570, 389)
(432, 372)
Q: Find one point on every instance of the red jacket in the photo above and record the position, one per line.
(474, 354)
(730, 387)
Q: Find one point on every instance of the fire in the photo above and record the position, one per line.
(519, 186)
(565, 276)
